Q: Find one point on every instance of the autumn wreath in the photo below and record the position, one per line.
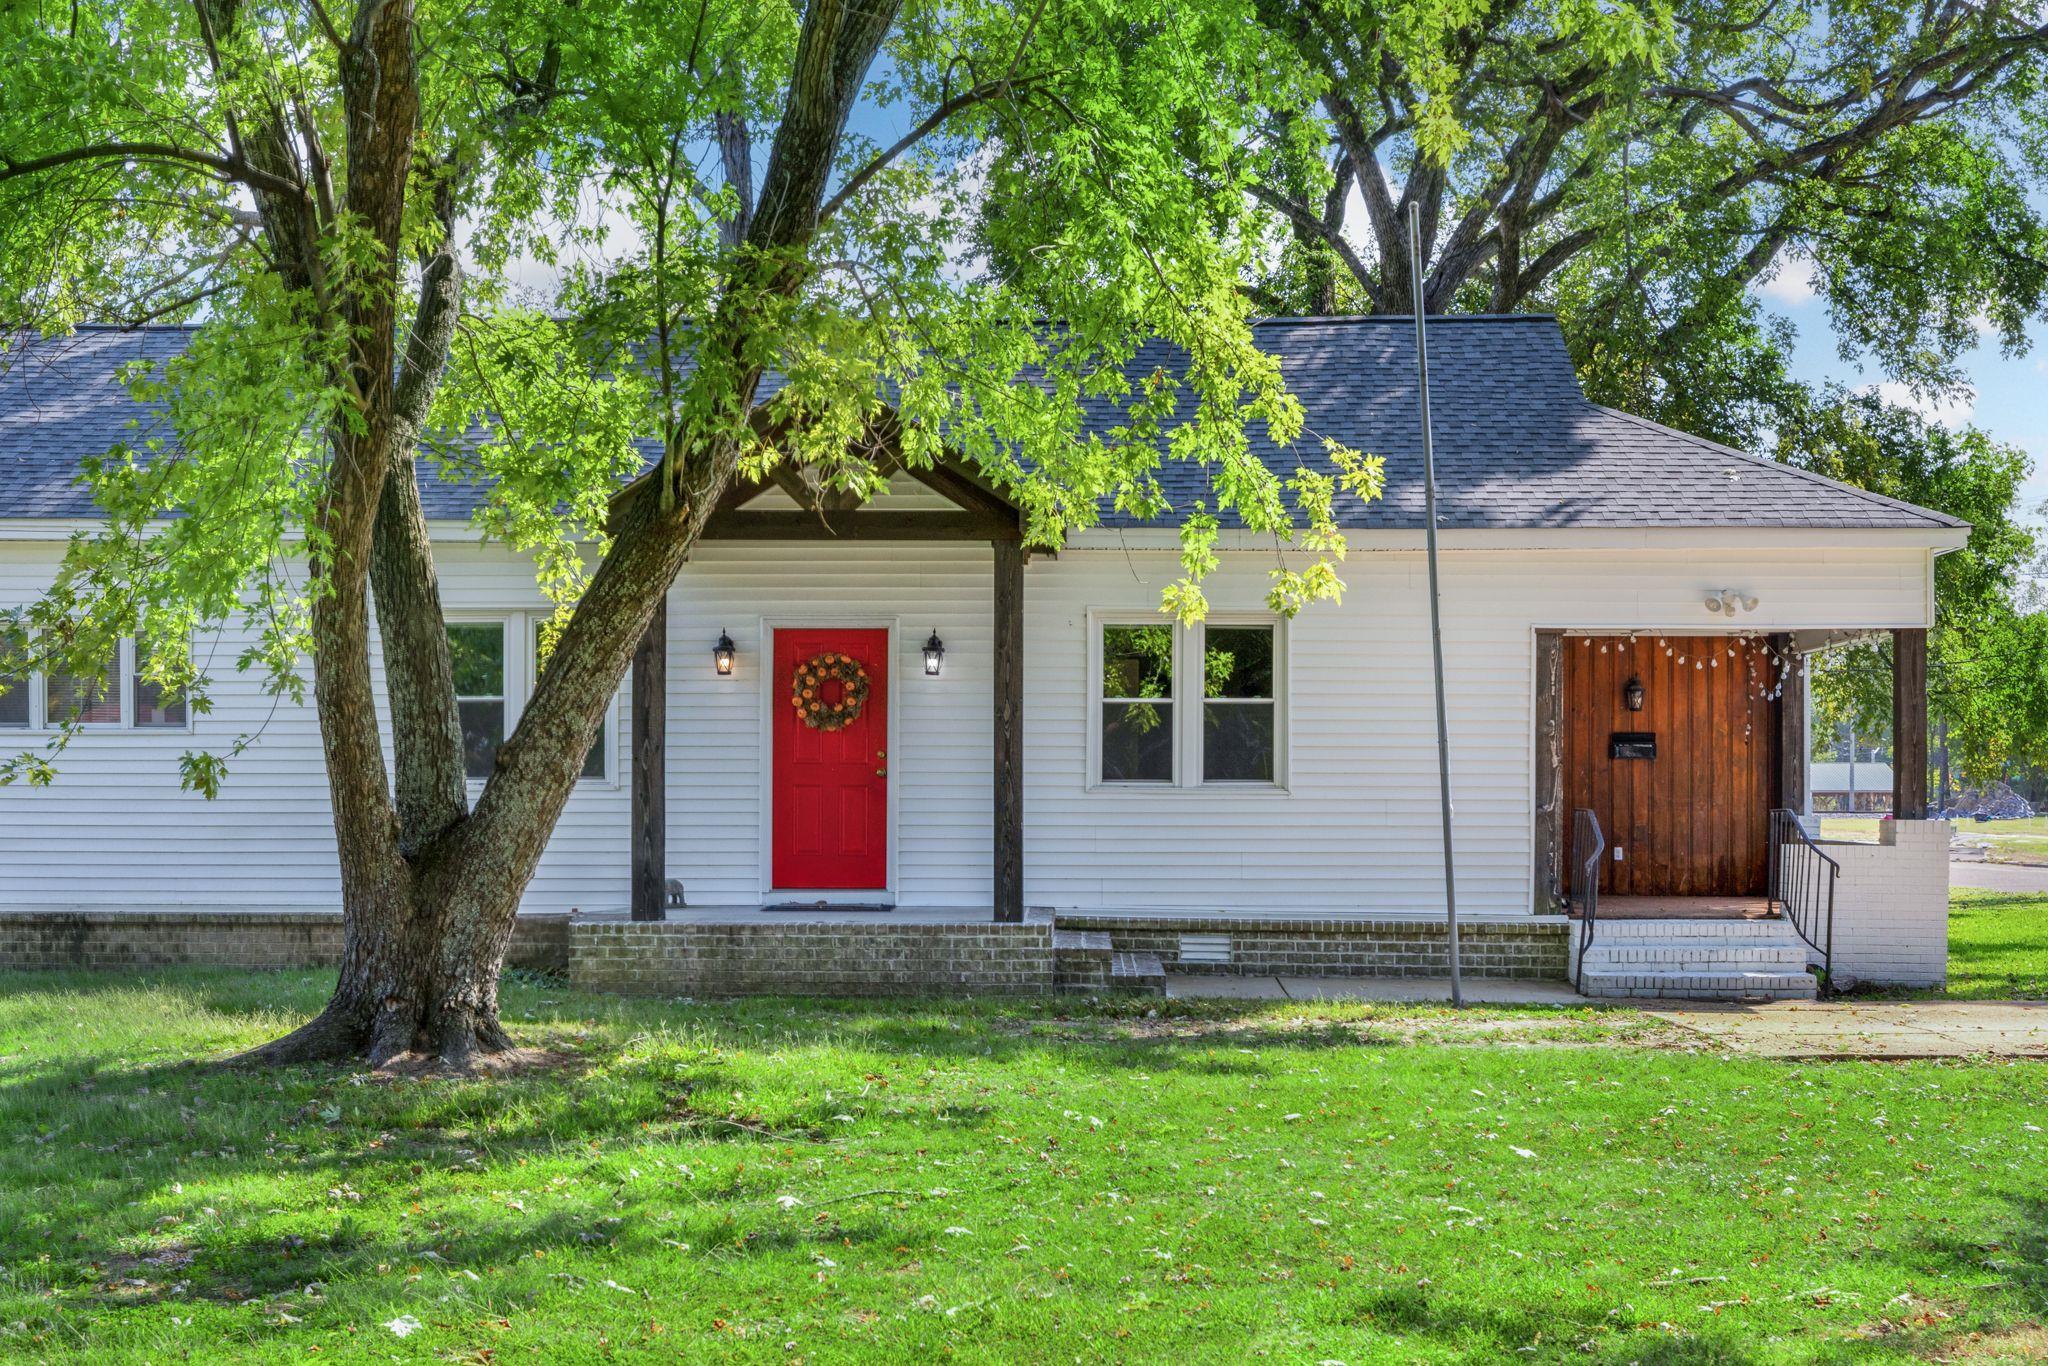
(807, 691)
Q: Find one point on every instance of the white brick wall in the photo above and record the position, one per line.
(1891, 905)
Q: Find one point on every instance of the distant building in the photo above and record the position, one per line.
(1865, 785)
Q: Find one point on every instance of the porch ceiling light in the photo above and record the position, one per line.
(722, 655)
(934, 652)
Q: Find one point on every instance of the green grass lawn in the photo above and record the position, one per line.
(1997, 944)
(909, 1180)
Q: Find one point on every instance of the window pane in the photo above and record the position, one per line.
(477, 650)
(13, 686)
(90, 701)
(483, 729)
(1137, 661)
(1237, 742)
(1137, 742)
(1237, 661)
(154, 705)
(593, 762)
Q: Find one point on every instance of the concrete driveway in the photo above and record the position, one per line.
(1998, 877)
(1869, 1029)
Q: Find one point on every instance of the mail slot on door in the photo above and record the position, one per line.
(1632, 744)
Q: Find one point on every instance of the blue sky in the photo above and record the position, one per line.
(2009, 397)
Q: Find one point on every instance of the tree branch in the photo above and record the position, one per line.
(224, 167)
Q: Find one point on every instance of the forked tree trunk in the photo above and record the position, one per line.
(430, 891)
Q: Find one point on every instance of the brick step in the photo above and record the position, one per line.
(1081, 960)
(1138, 973)
(1082, 943)
(1698, 986)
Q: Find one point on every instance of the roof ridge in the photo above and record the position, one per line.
(1840, 486)
(1405, 319)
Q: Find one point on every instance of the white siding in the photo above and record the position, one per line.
(1356, 828)
(941, 789)
(115, 830)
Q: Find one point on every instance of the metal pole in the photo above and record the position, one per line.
(1436, 624)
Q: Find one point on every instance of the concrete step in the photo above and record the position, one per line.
(1697, 954)
(1138, 973)
(1716, 985)
(1617, 931)
(1081, 960)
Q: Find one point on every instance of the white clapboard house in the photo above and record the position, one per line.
(1044, 781)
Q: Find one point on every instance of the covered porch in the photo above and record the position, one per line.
(849, 774)
(1674, 825)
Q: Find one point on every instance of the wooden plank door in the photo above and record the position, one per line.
(831, 786)
(1694, 820)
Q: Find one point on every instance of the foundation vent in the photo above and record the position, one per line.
(1205, 948)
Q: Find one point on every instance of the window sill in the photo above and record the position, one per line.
(1247, 788)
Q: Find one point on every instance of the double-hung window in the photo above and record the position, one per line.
(476, 649)
(1240, 709)
(15, 682)
(493, 679)
(113, 697)
(1137, 682)
(1187, 706)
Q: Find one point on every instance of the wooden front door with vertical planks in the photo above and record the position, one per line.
(831, 787)
(1693, 821)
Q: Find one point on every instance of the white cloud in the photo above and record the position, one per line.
(1950, 410)
(1792, 282)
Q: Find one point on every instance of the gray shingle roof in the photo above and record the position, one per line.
(1518, 445)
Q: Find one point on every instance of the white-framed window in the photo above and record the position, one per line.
(1136, 673)
(16, 689)
(476, 651)
(117, 697)
(494, 677)
(1240, 663)
(1186, 707)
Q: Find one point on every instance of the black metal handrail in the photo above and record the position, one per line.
(1588, 844)
(1801, 885)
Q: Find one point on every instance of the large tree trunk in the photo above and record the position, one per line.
(430, 890)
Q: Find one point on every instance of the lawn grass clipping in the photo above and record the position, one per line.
(897, 1180)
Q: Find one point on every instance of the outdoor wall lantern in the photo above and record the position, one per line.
(1632, 694)
(934, 651)
(722, 654)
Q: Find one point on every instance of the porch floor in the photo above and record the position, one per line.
(1685, 908)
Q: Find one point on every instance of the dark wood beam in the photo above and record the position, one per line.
(1909, 725)
(1550, 814)
(1793, 745)
(650, 766)
(859, 526)
(1009, 731)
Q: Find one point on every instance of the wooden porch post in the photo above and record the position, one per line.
(1909, 725)
(1009, 736)
(1792, 741)
(650, 766)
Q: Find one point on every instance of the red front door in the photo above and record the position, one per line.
(831, 807)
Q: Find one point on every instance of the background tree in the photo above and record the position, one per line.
(1638, 169)
(343, 192)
